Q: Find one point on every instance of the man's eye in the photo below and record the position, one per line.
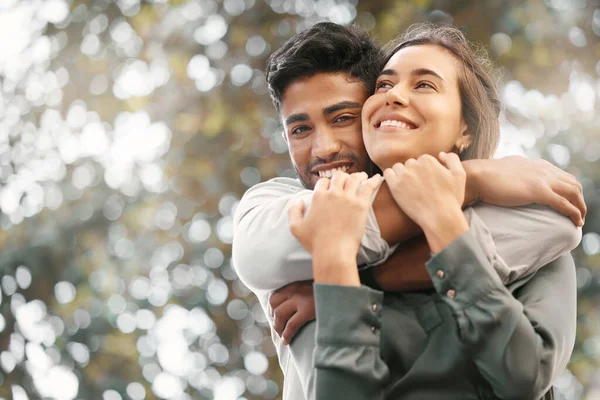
(344, 118)
(300, 129)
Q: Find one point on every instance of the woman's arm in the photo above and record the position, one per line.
(346, 358)
(519, 347)
(520, 337)
(266, 255)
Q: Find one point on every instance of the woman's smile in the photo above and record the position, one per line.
(416, 108)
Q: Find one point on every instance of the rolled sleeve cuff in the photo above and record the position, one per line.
(461, 272)
(348, 315)
(374, 250)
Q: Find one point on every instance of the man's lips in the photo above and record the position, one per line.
(326, 170)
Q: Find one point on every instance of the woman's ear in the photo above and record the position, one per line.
(465, 139)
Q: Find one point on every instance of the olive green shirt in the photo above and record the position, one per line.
(470, 338)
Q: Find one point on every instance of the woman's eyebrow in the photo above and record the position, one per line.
(388, 71)
(414, 72)
(425, 71)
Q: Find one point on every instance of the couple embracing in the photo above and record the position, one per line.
(404, 263)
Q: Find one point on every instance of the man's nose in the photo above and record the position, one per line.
(325, 144)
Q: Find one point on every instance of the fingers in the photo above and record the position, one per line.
(279, 296)
(368, 187)
(322, 185)
(282, 314)
(390, 176)
(338, 180)
(570, 193)
(411, 162)
(569, 179)
(297, 321)
(451, 161)
(296, 215)
(354, 182)
(576, 195)
(565, 207)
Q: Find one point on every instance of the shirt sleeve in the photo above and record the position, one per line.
(505, 235)
(347, 357)
(521, 336)
(266, 256)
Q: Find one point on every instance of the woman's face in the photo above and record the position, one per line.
(416, 108)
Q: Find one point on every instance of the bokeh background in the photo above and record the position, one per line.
(129, 131)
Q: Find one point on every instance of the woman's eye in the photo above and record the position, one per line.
(382, 85)
(425, 85)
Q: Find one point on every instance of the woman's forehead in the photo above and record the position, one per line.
(424, 56)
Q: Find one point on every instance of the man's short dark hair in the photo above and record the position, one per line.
(324, 48)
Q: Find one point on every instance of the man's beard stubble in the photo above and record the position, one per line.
(306, 178)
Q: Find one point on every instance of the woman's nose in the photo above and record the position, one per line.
(397, 95)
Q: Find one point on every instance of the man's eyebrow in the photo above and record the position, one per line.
(425, 71)
(296, 118)
(342, 105)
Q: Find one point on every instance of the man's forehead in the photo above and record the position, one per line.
(320, 92)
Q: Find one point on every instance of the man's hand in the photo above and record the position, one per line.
(332, 228)
(293, 306)
(516, 181)
(432, 195)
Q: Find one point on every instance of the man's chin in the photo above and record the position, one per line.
(309, 182)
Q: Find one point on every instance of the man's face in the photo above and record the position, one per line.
(322, 122)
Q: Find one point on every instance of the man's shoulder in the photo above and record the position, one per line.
(275, 186)
(266, 192)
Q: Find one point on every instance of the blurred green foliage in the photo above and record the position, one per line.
(128, 132)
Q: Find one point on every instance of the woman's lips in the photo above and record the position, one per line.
(395, 124)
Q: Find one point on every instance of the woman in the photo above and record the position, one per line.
(472, 337)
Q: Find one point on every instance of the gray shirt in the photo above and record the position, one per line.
(266, 256)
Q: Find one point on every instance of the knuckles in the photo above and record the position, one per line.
(426, 159)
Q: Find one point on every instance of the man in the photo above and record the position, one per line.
(318, 82)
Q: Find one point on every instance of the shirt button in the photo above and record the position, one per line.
(440, 274)
(373, 329)
(451, 294)
(374, 307)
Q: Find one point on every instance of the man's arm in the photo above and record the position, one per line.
(267, 257)
(509, 181)
(516, 181)
(504, 234)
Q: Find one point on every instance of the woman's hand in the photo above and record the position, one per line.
(432, 195)
(332, 228)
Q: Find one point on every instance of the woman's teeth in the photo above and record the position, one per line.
(329, 173)
(398, 124)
